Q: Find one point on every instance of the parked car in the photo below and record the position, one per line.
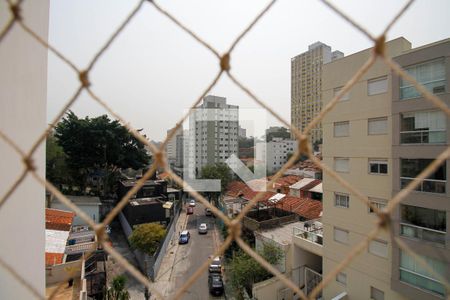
(216, 265)
(203, 228)
(208, 212)
(189, 210)
(184, 237)
(215, 284)
(192, 203)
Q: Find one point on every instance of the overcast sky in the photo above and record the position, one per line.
(154, 71)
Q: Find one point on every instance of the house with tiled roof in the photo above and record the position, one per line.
(306, 188)
(57, 228)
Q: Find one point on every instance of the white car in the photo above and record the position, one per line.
(203, 228)
(192, 203)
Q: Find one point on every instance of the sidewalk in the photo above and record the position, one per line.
(162, 282)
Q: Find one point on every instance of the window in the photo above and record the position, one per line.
(423, 223)
(341, 235)
(377, 126)
(341, 129)
(376, 294)
(377, 86)
(378, 248)
(378, 166)
(423, 127)
(341, 278)
(412, 272)
(410, 168)
(430, 74)
(344, 97)
(341, 164)
(380, 204)
(341, 200)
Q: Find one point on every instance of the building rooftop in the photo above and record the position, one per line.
(147, 201)
(317, 189)
(58, 219)
(302, 183)
(281, 234)
(82, 200)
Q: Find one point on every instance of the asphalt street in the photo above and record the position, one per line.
(191, 256)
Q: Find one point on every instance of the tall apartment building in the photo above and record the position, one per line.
(276, 152)
(213, 132)
(171, 147)
(378, 137)
(306, 85)
(419, 135)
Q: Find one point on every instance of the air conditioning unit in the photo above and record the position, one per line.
(439, 89)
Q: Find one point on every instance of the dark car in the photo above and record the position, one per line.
(184, 237)
(189, 210)
(215, 284)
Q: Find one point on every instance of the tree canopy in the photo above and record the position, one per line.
(93, 144)
(147, 237)
(117, 291)
(56, 169)
(217, 171)
(245, 270)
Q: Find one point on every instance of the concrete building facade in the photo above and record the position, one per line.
(171, 147)
(213, 133)
(419, 135)
(276, 152)
(379, 137)
(357, 145)
(306, 85)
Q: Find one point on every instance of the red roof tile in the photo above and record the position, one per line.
(53, 258)
(58, 219)
(286, 181)
(305, 207)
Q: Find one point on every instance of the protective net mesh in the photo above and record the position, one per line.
(160, 161)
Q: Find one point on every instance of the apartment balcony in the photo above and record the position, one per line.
(309, 238)
(423, 137)
(422, 233)
(427, 185)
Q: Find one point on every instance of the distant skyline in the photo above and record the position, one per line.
(154, 70)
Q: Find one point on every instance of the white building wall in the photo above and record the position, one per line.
(23, 95)
(276, 152)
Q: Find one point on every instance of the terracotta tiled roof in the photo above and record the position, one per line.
(240, 189)
(285, 181)
(236, 188)
(53, 258)
(58, 219)
(305, 207)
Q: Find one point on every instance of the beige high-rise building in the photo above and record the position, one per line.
(306, 85)
(378, 137)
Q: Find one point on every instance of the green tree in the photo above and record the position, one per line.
(147, 237)
(245, 271)
(98, 144)
(217, 171)
(117, 290)
(56, 170)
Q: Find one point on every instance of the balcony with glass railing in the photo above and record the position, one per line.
(422, 233)
(423, 137)
(310, 239)
(427, 185)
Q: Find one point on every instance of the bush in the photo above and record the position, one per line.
(147, 237)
